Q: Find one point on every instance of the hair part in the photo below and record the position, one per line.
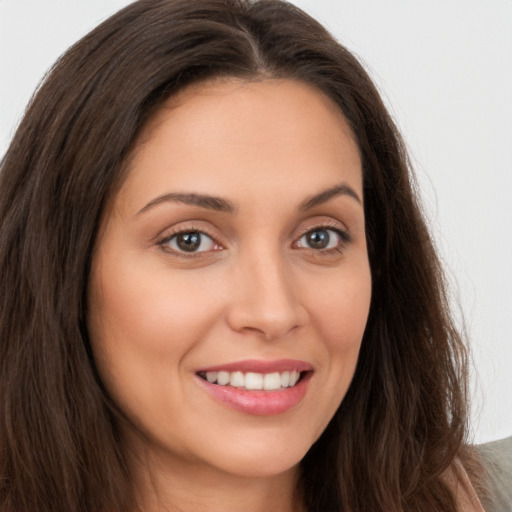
(404, 417)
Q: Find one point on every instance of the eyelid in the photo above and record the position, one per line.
(327, 253)
(332, 224)
(340, 244)
(200, 227)
(186, 227)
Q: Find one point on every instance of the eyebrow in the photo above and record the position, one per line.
(222, 205)
(343, 189)
(201, 200)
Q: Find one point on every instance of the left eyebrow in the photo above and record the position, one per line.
(343, 189)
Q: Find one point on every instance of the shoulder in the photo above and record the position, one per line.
(497, 461)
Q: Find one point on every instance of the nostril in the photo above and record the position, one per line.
(268, 325)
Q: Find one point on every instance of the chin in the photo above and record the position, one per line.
(260, 458)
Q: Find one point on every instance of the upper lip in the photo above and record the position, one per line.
(260, 366)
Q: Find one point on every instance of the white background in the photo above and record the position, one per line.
(445, 71)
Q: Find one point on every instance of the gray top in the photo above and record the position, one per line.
(497, 457)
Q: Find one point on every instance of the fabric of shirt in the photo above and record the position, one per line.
(497, 459)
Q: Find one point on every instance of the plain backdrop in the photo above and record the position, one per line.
(444, 69)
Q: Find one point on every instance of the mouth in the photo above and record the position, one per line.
(254, 381)
(259, 388)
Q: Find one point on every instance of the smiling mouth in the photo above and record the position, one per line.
(252, 381)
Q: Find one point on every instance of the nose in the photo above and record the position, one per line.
(265, 299)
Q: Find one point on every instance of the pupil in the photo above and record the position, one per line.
(189, 241)
(318, 239)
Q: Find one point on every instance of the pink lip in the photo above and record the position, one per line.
(260, 366)
(259, 402)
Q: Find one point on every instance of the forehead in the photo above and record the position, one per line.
(264, 102)
(234, 133)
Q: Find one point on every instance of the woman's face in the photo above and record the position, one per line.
(233, 261)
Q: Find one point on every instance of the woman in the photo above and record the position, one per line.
(218, 287)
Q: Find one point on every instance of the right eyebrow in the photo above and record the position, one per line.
(204, 201)
(343, 189)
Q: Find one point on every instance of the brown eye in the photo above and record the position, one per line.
(318, 239)
(321, 239)
(190, 241)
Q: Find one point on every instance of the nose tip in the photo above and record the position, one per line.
(266, 303)
(269, 325)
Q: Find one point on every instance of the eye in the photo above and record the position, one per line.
(190, 242)
(322, 239)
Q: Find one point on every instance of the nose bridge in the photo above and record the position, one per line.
(266, 300)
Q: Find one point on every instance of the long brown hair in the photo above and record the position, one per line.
(403, 419)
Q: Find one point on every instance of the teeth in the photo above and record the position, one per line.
(222, 378)
(272, 381)
(254, 381)
(237, 380)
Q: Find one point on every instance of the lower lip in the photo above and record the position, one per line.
(260, 403)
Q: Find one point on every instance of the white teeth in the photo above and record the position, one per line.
(271, 381)
(237, 380)
(253, 380)
(294, 377)
(222, 378)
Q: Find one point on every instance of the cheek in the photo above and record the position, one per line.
(154, 309)
(142, 323)
(340, 310)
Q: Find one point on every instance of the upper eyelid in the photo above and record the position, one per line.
(170, 236)
(170, 232)
(323, 224)
(214, 232)
(325, 228)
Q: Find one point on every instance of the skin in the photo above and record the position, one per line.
(255, 289)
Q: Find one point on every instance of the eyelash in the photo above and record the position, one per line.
(163, 242)
(344, 239)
